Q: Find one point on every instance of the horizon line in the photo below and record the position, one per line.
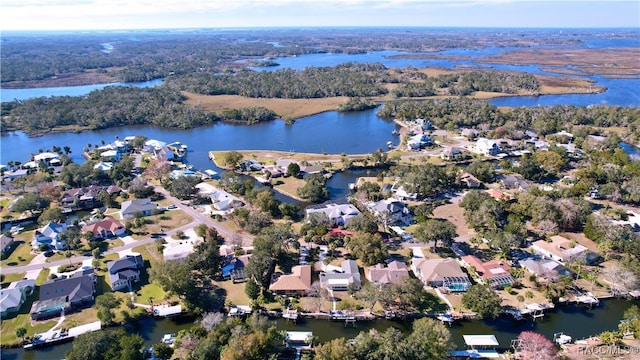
(308, 27)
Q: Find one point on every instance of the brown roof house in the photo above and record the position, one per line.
(105, 228)
(444, 273)
(393, 273)
(494, 272)
(296, 283)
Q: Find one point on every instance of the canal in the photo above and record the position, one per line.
(576, 321)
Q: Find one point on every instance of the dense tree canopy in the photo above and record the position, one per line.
(482, 300)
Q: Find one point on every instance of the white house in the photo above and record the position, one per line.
(339, 214)
(152, 146)
(49, 235)
(349, 277)
(103, 166)
(417, 141)
(223, 201)
(391, 210)
(487, 147)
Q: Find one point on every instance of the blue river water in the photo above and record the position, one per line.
(24, 94)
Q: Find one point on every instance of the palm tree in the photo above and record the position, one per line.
(21, 332)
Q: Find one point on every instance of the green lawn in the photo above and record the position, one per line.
(21, 254)
(154, 291)
(23, 319)
(9, 278)
(233, 292)
(42, 277)
(161, 223)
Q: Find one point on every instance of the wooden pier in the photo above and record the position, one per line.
(57, 336)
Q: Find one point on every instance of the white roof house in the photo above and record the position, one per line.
(487, 147)
(48, 235)
(154, 145)
(103, 166)
(46, 157)
(418, 141)
(340, 214)
(223, 201)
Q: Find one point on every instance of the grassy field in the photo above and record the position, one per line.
(21, 254)
(42, 277)
(9, 278)
(161, 223)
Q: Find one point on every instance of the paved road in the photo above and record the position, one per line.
(198, 218)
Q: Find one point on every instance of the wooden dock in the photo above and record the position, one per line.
(57, 336)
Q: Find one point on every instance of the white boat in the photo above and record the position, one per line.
(561, 339)
(169, 338)
(445, 318)
(394, 132)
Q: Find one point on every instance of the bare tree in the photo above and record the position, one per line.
(211, 320)
(318, 295)
(620, 280)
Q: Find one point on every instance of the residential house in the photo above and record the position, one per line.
(82, 198)
(425, 124)
(469, 133)
(49, 235)
(499, 195)
(110, 156)
(545, 268)
(62, 296)
(49, 158)
(470, 181)
(393, 273)
(487, 147)
(12, 298)
(418, 141)
(6, 244)
(451, 154)
(103, 166)
(296, 283)
(223, 201)
(250, 165)
(179, 250)
(105, 228)
(347, 279)
(124, 271)
(494, 272)
(311, 169)
(165, 154)
(234, 268)
(392, 211)
(399, 192)
(130, 208)
(339, 214)
(151, 146)
(633, 221)
(444, 273)
(563, 250)
(514, 182)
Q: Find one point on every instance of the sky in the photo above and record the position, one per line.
(162, 14)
